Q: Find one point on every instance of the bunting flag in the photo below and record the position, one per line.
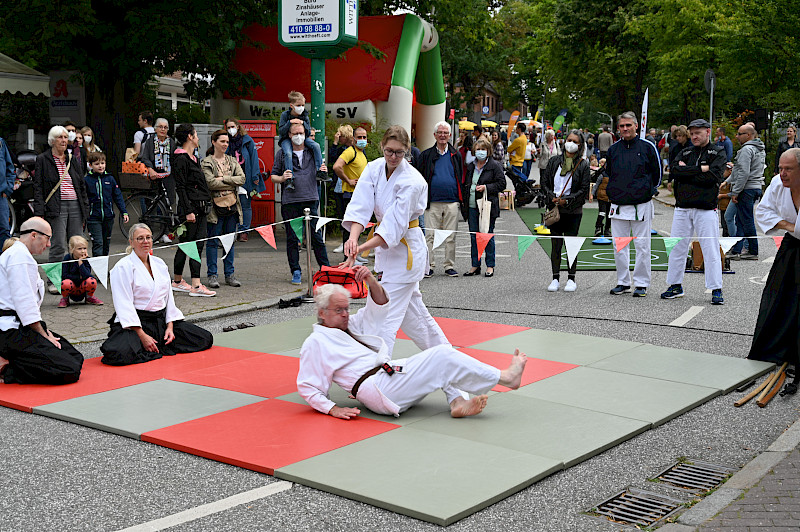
(100, 267)
(227, 242)
(643, 121)
(439, 236)
(321, 221)
(369, 224)
(573, 245)
(728, 242)
(523, 243)
(670, 242)
(53, 271)
(482, 239)
(190, 248)
(778, 240)
(621, 242)
(268, 235)
(297, 226)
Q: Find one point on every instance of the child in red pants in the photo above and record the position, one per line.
(77, 282)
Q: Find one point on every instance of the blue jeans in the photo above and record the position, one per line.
(730, 218)
(745, 221)
(101, 235)
(473, 221)
(225, 225)
(5, 214)
(247, 212)
(518, 170)
(290, 211)
(526, 168)
(286, 146)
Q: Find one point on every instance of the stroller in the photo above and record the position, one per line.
(525, 191)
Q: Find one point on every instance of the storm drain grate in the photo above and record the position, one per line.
(695, 475)
(637, 507)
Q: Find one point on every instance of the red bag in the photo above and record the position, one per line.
(343, 277)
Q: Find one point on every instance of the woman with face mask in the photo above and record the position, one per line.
(89, 141)
(485, 179)
(565, 182)
(242, 147)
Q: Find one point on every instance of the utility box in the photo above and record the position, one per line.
(264, 134)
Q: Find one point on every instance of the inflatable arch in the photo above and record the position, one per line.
(404, 87)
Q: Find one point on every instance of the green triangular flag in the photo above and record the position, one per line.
(190, 248)
(297, 227)
(523, 243)
(670, 242)
(53, 271)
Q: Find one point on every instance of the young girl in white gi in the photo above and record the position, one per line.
(392, 189)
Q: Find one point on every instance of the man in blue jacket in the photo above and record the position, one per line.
(634, 174)
(7, 176)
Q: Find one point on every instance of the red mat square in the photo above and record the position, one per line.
(97, 377)
(265, 375)
(463, 333)
(265, 436)
(535, 370)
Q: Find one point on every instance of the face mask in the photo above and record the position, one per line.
(571, 147)
(361, 143)
(71, 135)
(481, 154)
(299, 109)
(87, 139)
(298, 139)
(232, 131)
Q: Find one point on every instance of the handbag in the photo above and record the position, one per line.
(484, 213)
(344, 277)
(225, 202)
(553, 215)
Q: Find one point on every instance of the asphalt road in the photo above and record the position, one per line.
(60, 476)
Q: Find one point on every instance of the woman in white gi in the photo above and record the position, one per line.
(146, 324)
(393, 189)
(777, 337)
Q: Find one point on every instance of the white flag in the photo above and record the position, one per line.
(573, 245)
(321, 221)
(726, 243)
(227, 242)
(439, 236)
(100, 267)
(643, 123)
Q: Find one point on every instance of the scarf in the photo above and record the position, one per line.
(235, 148)
(567, 165)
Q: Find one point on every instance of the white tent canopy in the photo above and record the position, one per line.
(16, 77)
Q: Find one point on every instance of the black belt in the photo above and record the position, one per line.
(7, 312)
(389, 369)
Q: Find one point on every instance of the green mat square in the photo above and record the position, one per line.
(134, 410)
(564, 433)
(274, 338)
(703, 369)
(558, 346)
(652, 400)
(428, 476)
(404, 349)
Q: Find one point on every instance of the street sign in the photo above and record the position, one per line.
(708, 80)
(485, 109)
(318, 28)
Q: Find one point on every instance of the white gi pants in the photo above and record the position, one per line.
(705, 224)
(407, 310)
(642, 268)
(439, 367)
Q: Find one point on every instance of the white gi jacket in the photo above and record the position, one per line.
(775, 206)
(133, 289)
(396, 203)
(21, 288)
(331, 355)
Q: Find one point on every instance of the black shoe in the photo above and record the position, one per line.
(451, 273)
(429, 273)
(290, 184)
(476, 271)
(323, 177)
(619, 290)
(489, 273)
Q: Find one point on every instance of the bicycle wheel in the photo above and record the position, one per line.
(12, 218)
(143, 208)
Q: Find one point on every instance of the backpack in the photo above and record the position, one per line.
(145, 136)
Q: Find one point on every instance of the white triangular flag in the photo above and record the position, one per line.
(439, 236)
(573, 245)
(726, 243)
(227, 242)
(321, 221)
(100, 267)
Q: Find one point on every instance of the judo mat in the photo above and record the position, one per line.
(594, 256)
(237, 403)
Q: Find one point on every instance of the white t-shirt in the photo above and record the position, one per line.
(560, 181)
(138, 136)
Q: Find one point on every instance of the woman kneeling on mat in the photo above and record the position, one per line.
(146, 325)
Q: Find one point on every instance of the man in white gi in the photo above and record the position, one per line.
(346, 350)
(29, 352)
(634, 174)
(698, 173)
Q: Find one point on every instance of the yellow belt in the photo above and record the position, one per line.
(410, 259)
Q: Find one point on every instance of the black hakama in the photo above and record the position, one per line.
(123, 347)
(33, 359)
(777, 335)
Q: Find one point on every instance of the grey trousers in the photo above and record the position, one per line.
(66, 225)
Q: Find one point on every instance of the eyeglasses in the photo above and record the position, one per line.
(397, 153)
(48, 237)
(339, 310)
(443, 133)
(162, 126)
(741, 133)
(145, 238)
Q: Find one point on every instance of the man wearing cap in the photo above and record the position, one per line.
(698, 173)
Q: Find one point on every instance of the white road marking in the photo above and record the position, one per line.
(769, 260)
(210, 508)
(764, 279)
(708, 290)
(684, 318)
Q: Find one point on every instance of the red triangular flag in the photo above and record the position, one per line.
(621, 241)
(778, 240)
(369, 224)
(267, 234)
(482, 239)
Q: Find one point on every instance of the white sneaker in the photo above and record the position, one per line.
(553, 286)
(339, 249)
(166, 240)
(360, 259)
(571, 286)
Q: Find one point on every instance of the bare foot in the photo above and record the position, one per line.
(511, 377)
(461, 407)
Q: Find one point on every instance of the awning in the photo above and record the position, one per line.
(16, 77)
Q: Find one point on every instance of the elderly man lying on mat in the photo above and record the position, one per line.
(347, 350)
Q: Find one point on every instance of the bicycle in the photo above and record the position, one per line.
(153, 210)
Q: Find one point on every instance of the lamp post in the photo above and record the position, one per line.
(544, 99)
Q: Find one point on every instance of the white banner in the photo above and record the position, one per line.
(726, 243)
(439, 236)
(363, 111)
(321, 221)
(227, 242)
(100, 267)
(643, 123)
(573, 245)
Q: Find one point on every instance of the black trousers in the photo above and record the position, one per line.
(194, 230)
(32, 359)
(568, 225)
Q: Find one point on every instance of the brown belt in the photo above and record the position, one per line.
(364, 377)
